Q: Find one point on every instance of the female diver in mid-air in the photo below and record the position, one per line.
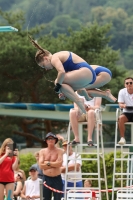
(74, 73)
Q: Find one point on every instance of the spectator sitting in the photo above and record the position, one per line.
(31, 189)
(18, 185)
(88, 184)
(93, 104)
(125, 100)
(40, 173)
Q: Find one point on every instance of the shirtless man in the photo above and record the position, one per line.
(50, 161)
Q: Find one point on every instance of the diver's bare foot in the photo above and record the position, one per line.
(109, 96)
(90, 98)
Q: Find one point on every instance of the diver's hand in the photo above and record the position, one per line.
(57, 88)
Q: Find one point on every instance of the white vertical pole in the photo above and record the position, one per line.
(114, 169)
(68, 139)
(132, 133)
(80, 130)
(41, 189)
(98, 152)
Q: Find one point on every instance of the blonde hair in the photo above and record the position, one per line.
(88, 181)
(40, 52)
(4, 144)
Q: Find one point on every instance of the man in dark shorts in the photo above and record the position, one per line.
(50, 161)
(125, 100)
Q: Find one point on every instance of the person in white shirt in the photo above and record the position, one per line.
(125, 100)
(91, 105)
(74, 166)
(31, 189)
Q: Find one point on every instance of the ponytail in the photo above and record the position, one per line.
(41, 52)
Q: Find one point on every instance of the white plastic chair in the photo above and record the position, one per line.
(80, 195)
(125, 194)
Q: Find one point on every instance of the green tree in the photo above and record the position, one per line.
(128, 55)
(23, 81)
(121, 31)
(61, 23)
(20, 78)
(26, 161)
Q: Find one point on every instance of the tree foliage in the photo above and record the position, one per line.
(23, 81)
(121, 31)
(59, 15)
(26, 161)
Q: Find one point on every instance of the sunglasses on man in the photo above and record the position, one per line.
(129, 83)
(50, 138)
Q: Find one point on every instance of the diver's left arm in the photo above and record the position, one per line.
(55, 61)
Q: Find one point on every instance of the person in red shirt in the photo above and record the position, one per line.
(8, 164)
